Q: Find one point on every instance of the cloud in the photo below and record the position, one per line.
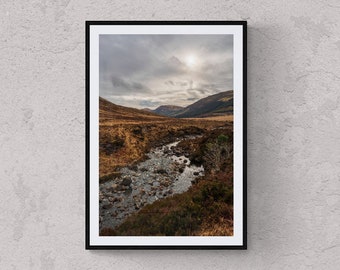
(148, 104)
(151, 70)
(169, 82)
(121, 85)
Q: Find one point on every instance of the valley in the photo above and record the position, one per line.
(161, 175)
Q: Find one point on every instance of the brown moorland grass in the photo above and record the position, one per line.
(126, 134)
(221, 118)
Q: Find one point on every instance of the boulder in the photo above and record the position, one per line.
(113, 188)
(107, 206)
(161, 171)
(126, 182)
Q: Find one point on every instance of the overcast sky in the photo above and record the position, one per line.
(151, 70)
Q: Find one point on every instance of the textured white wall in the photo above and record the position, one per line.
(294, 134)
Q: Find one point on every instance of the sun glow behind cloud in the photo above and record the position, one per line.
(191, 61)
(151, 70)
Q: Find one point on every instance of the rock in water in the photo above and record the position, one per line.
(126, 182)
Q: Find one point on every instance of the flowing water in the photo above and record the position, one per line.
(167, 171)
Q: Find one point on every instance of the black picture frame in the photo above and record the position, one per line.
(91, 246)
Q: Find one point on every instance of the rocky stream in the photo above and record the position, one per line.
(167, 171)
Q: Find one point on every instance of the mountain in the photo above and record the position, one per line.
(168, 110)
(147, 110)
(214, 105)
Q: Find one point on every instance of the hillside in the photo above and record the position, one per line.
(109, 111)
(214, 105)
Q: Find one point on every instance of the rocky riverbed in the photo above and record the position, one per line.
(167, 171)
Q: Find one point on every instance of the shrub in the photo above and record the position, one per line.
(217, 152)
(222, 139)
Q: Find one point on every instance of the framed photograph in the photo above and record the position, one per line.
(166, 135)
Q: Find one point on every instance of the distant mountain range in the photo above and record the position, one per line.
(214, 105)
(167, 110)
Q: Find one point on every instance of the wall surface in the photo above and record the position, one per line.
(294, 134)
